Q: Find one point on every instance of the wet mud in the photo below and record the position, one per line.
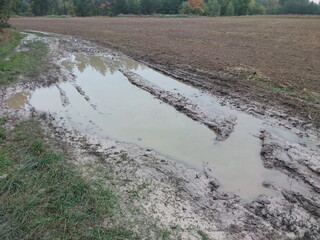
(258, 181)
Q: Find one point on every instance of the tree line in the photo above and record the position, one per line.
(146, 7)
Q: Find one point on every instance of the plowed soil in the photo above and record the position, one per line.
(272, 60)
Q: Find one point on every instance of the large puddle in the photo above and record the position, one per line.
(103, 102)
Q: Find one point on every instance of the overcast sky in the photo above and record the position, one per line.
(316, 1)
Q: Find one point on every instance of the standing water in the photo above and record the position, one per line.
(103, 102)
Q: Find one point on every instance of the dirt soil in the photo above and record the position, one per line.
(183, 202)
(272, 61)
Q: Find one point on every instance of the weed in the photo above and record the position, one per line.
(44, 197)
(3, 134)
(274, 88)
(163, 234)
(37, 33)
(3, 120)
(135, 193)
(203, 235)
(7, 48)
(314, 95)
(21, 137)
(172, 16)
(13, 63)
(57, 16)
(4, 161)
(124, 156)
(195, 41)
(37, 147)
(309, 95)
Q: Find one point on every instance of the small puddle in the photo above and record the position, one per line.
(108, 105)
(18, 100)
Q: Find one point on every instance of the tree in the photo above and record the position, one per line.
(19, 7)
(296, 7)
(120, 7)
(149, 6)
(5, 8)
(223, 4)
(230, 9)
(255, 8)
(185, 8)
(170, 6)
(243, 7)
(196, 5)
(212, 8)
(82, 8)
(133, 6)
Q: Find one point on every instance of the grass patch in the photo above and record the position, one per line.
(274, 88)
(203, 235)
(172, 16)
(29, 62)
(37, 33)
(7, 47)
(3, 134)
(56, 16)
(313, 95)
(305, 94)
(43, 196)
(158, 16)
(3, 120)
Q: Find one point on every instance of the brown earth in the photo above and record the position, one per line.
(274, 61)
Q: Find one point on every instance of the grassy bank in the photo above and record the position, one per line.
(43, 196)
(29, 61)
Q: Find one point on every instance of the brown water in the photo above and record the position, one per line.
(18, 100)
(124, 112)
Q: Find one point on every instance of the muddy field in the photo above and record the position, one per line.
(270, 60)
(163, 129)
(126, 123)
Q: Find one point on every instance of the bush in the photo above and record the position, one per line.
(185, 8)
(5, 7)
(4, 21)
(27, 14)
(211, 8)
(3, 134)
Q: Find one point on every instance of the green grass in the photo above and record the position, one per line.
(203, 235)
(3, 120)
(158, 16)
(43, 196)
(308, 95)
(314, 95)
(7, 48)
(172, 16)
(3, 134)
(13, 64)
(37, 33)
(56, 16)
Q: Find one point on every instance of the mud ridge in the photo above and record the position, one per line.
(64, 99)
(244, 96)
(292, 159)
(222, 125)
(80, 90)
